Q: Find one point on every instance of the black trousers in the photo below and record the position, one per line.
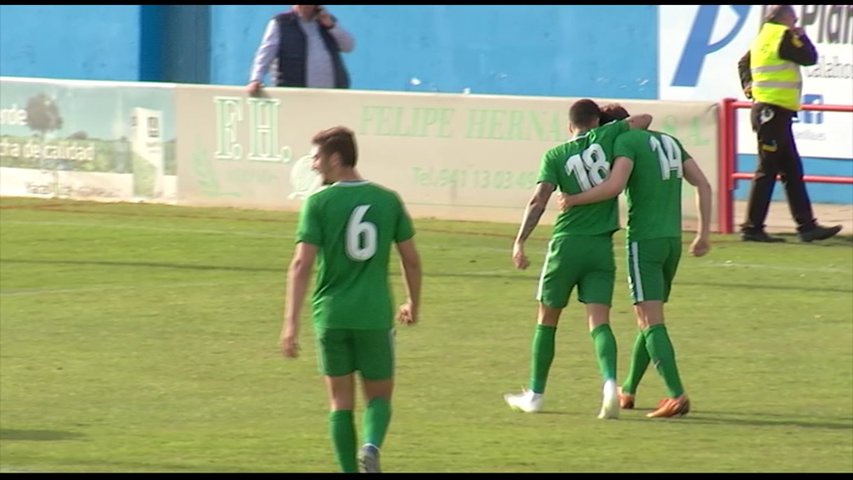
(777, 154)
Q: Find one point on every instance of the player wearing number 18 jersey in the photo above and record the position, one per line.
(580, 253)
(650, 165)
(349, 227)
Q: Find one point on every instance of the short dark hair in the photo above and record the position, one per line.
(584, 113)
(340, 140)
(611, 112)
(776, 12)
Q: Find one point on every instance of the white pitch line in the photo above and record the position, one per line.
(119, 226)
(99, 288)
(487, 272)
(779, 267)
(242, 233)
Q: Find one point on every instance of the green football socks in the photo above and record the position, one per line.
(639, 363)
(663, 355)
(541, 357)
(377, 417)
(605, 351)
(343, 438)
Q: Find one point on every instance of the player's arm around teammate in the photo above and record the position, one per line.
(609, 188)
(618, 178)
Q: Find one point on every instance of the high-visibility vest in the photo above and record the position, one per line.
(774, 80)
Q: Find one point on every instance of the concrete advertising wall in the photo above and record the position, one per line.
(453, 156)
(87, 140)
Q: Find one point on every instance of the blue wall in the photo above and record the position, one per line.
(91, 42)
(544, 50)
(189, 27)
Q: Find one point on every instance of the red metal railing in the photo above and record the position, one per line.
(728, 158)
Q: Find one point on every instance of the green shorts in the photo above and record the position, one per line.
(341, 351)
(582, 261)
(651, 268)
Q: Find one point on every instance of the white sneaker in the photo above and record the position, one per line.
(610, 400)
(526, 401)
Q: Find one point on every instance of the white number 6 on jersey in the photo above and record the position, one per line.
(361, 235)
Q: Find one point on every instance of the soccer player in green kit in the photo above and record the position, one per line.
(580, 253)
(649, 166)
(349, 227)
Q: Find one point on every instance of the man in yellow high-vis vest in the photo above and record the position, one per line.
(770, 76)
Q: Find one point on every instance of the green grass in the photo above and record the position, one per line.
(144, 338)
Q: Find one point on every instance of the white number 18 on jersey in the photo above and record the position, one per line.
(590, 167)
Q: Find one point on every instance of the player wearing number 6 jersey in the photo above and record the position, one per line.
(349, 227)
(580, 253)
(649, 165)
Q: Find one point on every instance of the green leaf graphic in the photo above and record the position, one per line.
(205, 176)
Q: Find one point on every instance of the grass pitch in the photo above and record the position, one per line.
(143, 338)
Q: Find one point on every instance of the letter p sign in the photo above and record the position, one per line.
(699, 44)
(807, 116)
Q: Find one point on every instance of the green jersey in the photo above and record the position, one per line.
(653, 191)
(577, 166)
(353, 225)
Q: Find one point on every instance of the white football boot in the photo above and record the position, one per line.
(610, 400)
(526, 401)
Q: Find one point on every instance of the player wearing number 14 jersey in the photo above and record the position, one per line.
(649, 166)
(349, 227)
(580, 253)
